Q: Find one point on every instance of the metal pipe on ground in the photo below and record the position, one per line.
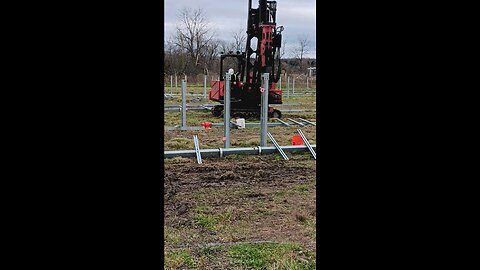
(221, 152)
(232, 125)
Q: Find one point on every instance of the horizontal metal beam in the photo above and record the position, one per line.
(206, 108)
(218, 152)
(211, 105)
(232, 125)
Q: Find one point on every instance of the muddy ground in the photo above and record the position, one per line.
(255, 198)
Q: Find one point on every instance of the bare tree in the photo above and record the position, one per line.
(282, 49)
(193, 34)
(302, 48)
(239, 39)
(210, 54)
(225, 46)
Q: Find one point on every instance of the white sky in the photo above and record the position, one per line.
(297, 16)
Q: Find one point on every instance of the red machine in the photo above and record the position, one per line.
(263, 58)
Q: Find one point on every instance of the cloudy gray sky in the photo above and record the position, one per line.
(297, 16)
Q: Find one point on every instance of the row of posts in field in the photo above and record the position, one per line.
(226, 111)
(289, 80)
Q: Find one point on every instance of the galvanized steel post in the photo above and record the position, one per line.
(280, 87)
(264, 111)
(171, 85)
(176, 84)
(184, 104)
(293, 87)
(288, 87)
(205, 87)
(226, 111)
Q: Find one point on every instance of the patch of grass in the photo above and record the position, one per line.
(205, 217)
(179, 260)
(280, 194)
(271, 256)
(170, 236)
(302, 187)
(176, 160)
(247, 143)
(179, 143)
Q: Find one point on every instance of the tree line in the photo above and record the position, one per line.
(195, 47)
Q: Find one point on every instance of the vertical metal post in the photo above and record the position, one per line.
(288, 87)
(176, 84)
(226, 111)
(293, 87)
(280, 81)
(184, 104)
(171, 85)
(205, 87)
(264, 111)
(307, 82)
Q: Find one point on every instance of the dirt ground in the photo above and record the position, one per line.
(239, 212)
(255, 198)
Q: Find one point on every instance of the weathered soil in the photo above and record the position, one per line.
(267, 199)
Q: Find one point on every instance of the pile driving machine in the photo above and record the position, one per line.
(263, 58)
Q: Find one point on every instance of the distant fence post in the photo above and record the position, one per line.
(205, 87)
(288, 87)
(184, 104)
(176, 84)
(293, 87)
(280, 81)
(171, 85)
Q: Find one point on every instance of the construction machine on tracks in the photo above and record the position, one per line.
(262, 55)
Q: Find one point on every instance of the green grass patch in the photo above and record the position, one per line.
(179, 143)
(204, 217)
(179, 260)
(272, 256)
(170, 236)
(302, 187)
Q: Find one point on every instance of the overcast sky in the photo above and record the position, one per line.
(297, 16)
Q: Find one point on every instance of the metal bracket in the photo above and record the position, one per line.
(304, 138)
(308, 122)
(283, 122)
(221, 152)
(197, 149)
(296, 122)
(277, 146)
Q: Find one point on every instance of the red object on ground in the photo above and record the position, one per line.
(206, 125)
(297, 140)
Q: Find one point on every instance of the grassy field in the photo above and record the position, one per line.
(239, 212)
